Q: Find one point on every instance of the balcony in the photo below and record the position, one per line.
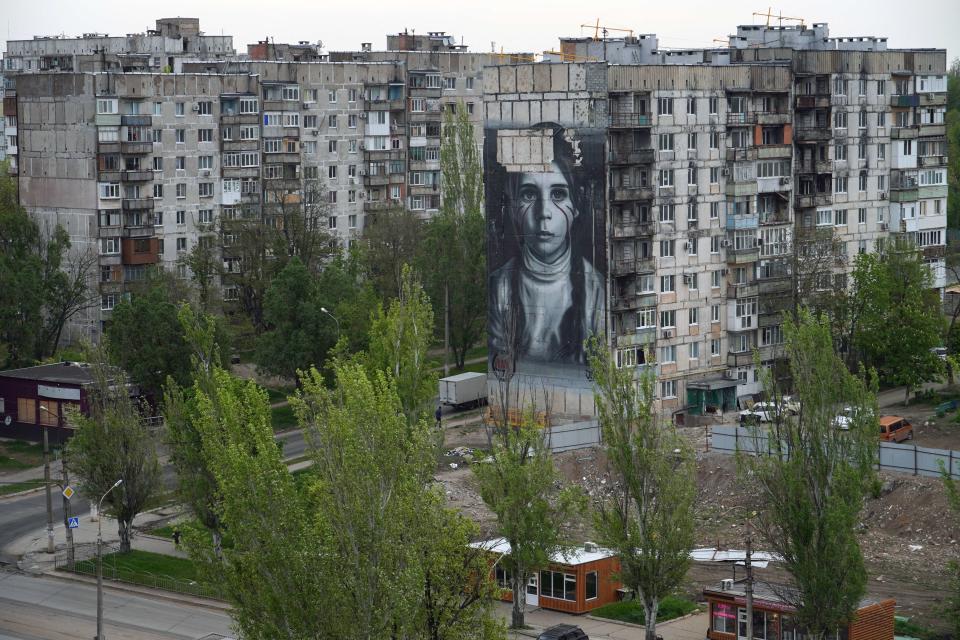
(773, 117)
(626, 303)
(823, 166)
(911, 100)
(637, 337)
(933, 99)
(277, 105)
(905, 195)
(925, 130)
(742, 256)
(812, 134)
(813, 102)
(631, 156)
(742, 221)
(397, 104)
(240, 118)
(629, 120)
(773, 185)
(772, 151)
(143, 231)
(934, 252)
(136, 121)
(383, 154)
(736, 189)
(630, 266)
(136, 148)
(375, 206)
(378, 180)
(241, 145)
(741, 359)
(140, 250)
(631, 193)
(933, 161)
(137, 204)
(137, 176)
(741, 155)
(773, 286)
(106, 176)
(632, 229)
(748, 290)
(740, 119)
(814, 200)
(904, 133)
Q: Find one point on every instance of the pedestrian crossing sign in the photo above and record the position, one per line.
(73, 522)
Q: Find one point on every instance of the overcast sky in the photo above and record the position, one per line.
(511, 24)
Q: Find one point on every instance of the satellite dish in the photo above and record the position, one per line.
(8, 420)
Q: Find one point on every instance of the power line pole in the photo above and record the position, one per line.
(66, 507)
(748, 589)
(46, 481)
(446, 329)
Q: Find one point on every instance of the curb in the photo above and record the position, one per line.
(25, 492)
(641, 626)
(196, 601)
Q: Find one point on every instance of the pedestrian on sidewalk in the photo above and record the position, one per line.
(176, 538)
(438, 415)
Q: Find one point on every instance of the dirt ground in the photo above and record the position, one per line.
(907, 534)
(930, 430)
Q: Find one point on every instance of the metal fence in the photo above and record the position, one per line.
(899, 458)
(118, 573)
(575, 435)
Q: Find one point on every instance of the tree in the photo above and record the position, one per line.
(900, 318)
(345, 290)
(299, 334)
(43, 284)
(951, 605)
(520, 486)
(810, 484)
(113, 443)
(196, 482)
(204, 264)
(145, 338)
(391, 239)
(454, 249)
(399, 339)
(953, 144)
(648, 518)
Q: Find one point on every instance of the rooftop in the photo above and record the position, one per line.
(764, 593)
(579, 555)
(63, 372)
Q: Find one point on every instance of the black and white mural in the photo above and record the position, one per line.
(546, 249)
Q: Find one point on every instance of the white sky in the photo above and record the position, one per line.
(513, 25)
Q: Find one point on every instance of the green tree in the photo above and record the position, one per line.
(399, 339)
(953, 144)
(113, 443)
(43, 283)
(204, 264)
(810, 485)
(648, 518)
(299, 334)
(453, 257)
(196, 483)
(346, 292)
(520, 486)
(391, 239)
(145, 338)
(951, 604)
(899, 316)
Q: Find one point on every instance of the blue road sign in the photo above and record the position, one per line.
(74, 522)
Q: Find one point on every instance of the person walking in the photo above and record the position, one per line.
(438, 415)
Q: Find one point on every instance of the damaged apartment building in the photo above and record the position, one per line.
(711, 191)
(142, 164)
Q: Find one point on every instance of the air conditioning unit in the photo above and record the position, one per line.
(204, 172)
(784, 181)
(884, 226)
(724, 271)
(363, 115)
(726, 584)
(363, 147)
(306, 105)
(687, 278)
(724, 243)
(667, 333)
(362, 172)
(883, 195)
(686, 245)
(315, 132)
(196, 107)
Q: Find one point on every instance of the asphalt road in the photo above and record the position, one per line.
(28, 513)
(54, 609)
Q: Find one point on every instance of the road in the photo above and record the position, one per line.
(28, 513)
(40, 607)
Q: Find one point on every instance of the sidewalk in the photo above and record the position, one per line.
(894, 397)
(692, 627)
(33, 473)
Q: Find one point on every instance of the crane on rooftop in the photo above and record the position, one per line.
(779, 16)
(598, 27)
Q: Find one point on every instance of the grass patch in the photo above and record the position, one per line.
(18, 454)
(142, 567)
(632, 610)
(278, 395)
(903, 627)
(16, 487)
(282, 418)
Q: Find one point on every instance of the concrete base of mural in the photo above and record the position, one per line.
(575, 435)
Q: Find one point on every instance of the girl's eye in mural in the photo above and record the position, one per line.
(528, 194)
(559, 193)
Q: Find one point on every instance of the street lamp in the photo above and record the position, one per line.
(324, 310)
(100, 561)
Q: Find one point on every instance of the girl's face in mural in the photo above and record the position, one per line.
(545, 209)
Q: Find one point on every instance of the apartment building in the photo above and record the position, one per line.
(737, 181)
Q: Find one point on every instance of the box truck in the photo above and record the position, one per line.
(464, 389)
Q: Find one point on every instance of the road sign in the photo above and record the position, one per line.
(73, 522)
(68, 492)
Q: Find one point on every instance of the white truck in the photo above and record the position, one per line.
(464, 389)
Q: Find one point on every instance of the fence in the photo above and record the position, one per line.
(118, 573)
(576, 435)
(899, 458)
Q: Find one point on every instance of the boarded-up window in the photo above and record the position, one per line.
(26, 410)
(49, 412)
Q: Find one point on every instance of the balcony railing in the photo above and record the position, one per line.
(134, 204)
(629, 119)
(631, 156)
(138, 147)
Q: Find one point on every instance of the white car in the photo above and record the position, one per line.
(760, 412)
(844, 418)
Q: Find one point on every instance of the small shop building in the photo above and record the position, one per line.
(36, 398)
(575, 583)
(772, 619)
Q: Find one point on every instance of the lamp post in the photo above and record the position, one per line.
(51, 547)
(324, 310)
(100, 561)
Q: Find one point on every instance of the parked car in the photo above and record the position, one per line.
(766, 412)
(895, 429)
(844, 418)
(563, 632)
(940, 352)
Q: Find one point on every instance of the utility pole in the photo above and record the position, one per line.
(446, 329)
(100, 560)
(66, 507)
(46, 481)
(748, 589)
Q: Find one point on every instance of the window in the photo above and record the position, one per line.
(714, 176)
(841, 218)
(227, 133)
(181, 245)
(157, 190)
(109, 246)
(181, 217)
(692, 180)
(667, 212)
(180, 163)
(293, 120)
(862, 120)
(667, 248)
(714, 244)
(205, 135)
(179, 136)
(714, 106)
(646, 318)
(715, 279)
(840, 151)
(271, 119)
(667, 284)
(665, 178)
(205, 108)
(352, 121)
(107, 106)
(469, 83)
(664, 106)
(205, 162)
(862, 182)
(249, 133)
(840, 120)
(714, 210)
(693, 315)
(205, 216)
(332, 223)
(668, 319)
(881, 87)
(249, 105)
(591, 585)
(714, 139)
(561, 586)
(665, 142)
(290, 92)
(694, 351)
(723, 617)
(691, 106)
(178, 108)
(668, 354)
(668, 389)
(502, 577)
(861, 216)
(691, 245)
(181, 190)
(332, 197)
(692, 141)
(332, 146)
(109, 190)
(840, 184)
